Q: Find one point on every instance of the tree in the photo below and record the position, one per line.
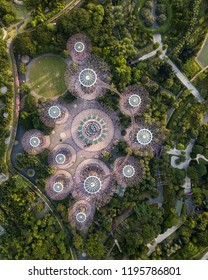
(24, 44)
(95, 249)
(192, 173)
(160, 9)
(201, 170)
(78, 242)
(149, 5)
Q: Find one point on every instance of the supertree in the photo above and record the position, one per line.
(59, 185)
(90, 80)
(95, 129)
(53, 113)
(145, 139)
(34, 141)
(62, 156)
(81, 214)
(79, 48)
(93, 180)
(134, 100)
(128, 171)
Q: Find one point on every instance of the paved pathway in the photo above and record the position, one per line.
(162, 237)
(183, 165)
(21, 3)
(185, 81)
(200, 156)
(205, 257)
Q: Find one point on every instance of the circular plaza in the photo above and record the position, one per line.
(93, 130)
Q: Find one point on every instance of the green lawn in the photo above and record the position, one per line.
(46, 76)
(20, 11)
(201, 83)
(203, 55)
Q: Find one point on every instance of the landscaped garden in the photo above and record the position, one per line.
(46, 76)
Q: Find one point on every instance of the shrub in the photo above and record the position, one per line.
(161, 19)
(160, 9)
(149, 5)
(149, 21)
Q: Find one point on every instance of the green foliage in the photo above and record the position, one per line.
(95, 249)
(190, 68)
(78, 242)
(6, 12)
(6, 79)
(28, 238)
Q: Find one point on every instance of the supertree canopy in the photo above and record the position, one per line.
(94, 129)
(128, 171)
(89, 80)
(79, 48)
(59, 185)
(93, 179)
(62, 156)
(81, 214)
(134, 100)
(34, 141)
(53, 113)
(145, 139)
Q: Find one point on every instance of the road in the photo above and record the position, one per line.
(161, 238)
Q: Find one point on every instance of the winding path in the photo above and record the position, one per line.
(161, 237)
(183, 165)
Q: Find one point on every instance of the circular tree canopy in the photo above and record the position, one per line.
(81, 217)
(58, 187)
(92, 184)
(60, 158)
(54, 112)
(79, 47)
(134, 100)
(144, 136)
(87, 77)
(34, 141)
(128, 171)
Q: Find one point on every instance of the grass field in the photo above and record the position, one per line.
(19, 11)
(201, 83)
(46, 76)
(203, 54)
